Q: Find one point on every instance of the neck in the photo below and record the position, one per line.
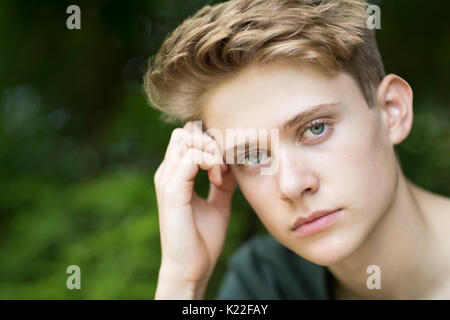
(403, 246)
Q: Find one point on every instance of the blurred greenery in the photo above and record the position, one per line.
(79, 144)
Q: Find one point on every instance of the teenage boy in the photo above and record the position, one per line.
(338, 206)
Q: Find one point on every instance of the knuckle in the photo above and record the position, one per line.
(214, 144)
(188, 154)
(189, 123)
(210, 144)
(157, 175)
(177, 133)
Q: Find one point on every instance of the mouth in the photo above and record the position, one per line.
(315, 222)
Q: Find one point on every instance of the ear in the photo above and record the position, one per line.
(394, 100)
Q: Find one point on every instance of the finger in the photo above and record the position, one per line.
(214, 175)
(175, 146)
(197, 139)
(203, 142)
(192, 160)
(220, 196)
(195, 134)
(181, 140)
(200, 139)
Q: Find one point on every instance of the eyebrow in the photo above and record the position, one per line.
(313, 111)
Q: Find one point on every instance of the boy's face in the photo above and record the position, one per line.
(346, 161)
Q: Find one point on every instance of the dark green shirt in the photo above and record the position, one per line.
(262, 269)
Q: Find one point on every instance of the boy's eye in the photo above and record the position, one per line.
(317, 129)
(314, 132)
(254, 158)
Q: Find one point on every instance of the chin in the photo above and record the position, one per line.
(325, 251)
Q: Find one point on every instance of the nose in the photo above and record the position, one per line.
(296, 178)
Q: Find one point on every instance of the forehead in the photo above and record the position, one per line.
(263, 96)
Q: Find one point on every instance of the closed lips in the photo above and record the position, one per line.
(311, 217)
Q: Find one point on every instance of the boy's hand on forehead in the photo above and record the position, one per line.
(208, 144)
(221, 177)
(192, 229)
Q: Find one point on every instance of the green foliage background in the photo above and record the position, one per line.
(79, 144)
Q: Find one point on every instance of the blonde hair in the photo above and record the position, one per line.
(218, 41)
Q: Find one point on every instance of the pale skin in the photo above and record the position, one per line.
(346, 162)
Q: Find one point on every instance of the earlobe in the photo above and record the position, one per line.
(395, 98)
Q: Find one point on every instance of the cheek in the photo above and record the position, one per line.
(365, 166)
(255, 191)
(259, 193)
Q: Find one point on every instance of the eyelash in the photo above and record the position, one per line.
(326, 122)
(259, 165)
(327, 130)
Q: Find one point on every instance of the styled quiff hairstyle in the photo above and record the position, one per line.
(218, 41)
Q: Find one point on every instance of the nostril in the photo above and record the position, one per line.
(307, 190)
